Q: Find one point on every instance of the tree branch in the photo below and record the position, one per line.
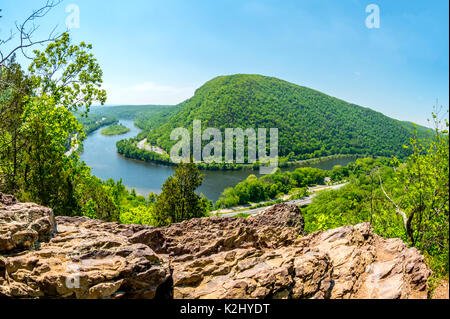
(397, 207)
(26, 32)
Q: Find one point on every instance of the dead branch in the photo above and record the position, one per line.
(397, 207)
(26, 29)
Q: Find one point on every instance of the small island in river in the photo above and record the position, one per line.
(115, 129)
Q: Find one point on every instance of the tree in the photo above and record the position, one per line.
(38, 125)
(40, 107)
(423, 197)
(14, 86)
(178, 200)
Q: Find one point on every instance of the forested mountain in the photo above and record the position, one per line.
(311, 123)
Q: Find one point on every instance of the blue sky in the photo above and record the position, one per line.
(159, 52)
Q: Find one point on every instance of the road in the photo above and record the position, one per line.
(299, 202)
(155, 149)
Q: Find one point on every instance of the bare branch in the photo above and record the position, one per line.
(397, 207)
(26, 30)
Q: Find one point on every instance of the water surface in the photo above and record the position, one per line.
(100, 153)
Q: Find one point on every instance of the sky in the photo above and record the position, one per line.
(159, 52)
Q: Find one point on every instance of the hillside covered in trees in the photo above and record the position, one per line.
(311, 124)
(145, 116)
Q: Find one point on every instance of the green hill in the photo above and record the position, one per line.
(311, 124)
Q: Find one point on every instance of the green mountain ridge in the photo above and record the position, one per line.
(311, 124)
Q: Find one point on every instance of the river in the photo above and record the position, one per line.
(100, 154)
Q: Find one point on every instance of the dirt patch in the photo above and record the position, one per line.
(441, 291)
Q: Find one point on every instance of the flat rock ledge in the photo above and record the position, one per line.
(263, 256)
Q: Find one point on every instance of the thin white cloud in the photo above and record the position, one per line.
(147, 93)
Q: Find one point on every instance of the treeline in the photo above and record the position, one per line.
(96, 121)
(268, 187)
(128, 148)
(155, 117)
(145, 116)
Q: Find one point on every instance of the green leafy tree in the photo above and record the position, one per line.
(14, 86)
(178, 200)
(39, 107)
(65, 78)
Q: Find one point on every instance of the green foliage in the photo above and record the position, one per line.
(242, 215)
(14, 85)
(146, 117)
(274, 185)
(139, 113)
(425, 195)
(298, 193)
(40, 109)
(142, 215)
(69, 73)
(128, 148)
(178, 200)
(311, 124)
(115, 129)
(94, 121)
(406, 200)
(61, 79)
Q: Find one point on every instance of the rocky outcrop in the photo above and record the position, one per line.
(23, 225)
(347, 262)
(277, 227)
(82, 258)
(263, 256)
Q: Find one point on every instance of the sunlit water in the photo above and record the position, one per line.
(101, 155)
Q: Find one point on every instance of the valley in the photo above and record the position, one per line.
(223, 150)
(100, 153)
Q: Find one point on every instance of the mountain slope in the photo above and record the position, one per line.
(310, 123)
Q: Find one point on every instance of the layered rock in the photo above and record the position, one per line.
(264, 256)
(78, 261)
(23, 225)
(276, 227)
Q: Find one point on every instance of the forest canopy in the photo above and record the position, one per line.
(311, 124)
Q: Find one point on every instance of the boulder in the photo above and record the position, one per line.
(84, 259)
(263, 256)
(23, 225)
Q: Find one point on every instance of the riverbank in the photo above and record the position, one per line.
(100, 153)
(254, 208)
(142, 151)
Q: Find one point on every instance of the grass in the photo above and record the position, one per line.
(242, 215)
